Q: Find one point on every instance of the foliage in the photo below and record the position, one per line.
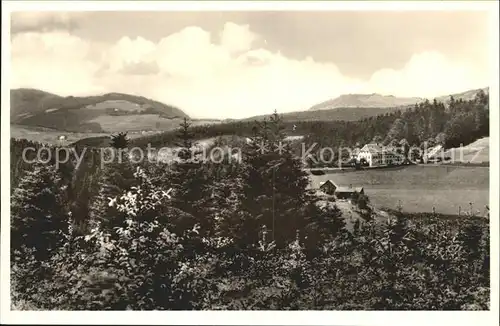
(401, 264)
(37, 212)
(232, 235)
(38, 219)
(115, 177)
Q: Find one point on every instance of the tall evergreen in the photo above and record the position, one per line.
(275, 186)
(116, 178)
(190, 179)
(37, 212)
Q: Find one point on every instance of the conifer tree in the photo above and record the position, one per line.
(37, 212)
(120, 140)
(275, 186)
(190, 179)
(116, 178)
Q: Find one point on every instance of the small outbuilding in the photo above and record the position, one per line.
(348, 192)
(328, 187)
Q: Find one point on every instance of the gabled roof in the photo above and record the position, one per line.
(372, 148)
(326, 182)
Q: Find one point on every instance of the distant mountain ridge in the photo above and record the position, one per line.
(465, 96)
(33, 107)
(354, 112)
(124, 112)
(365, 101)
(385, 101)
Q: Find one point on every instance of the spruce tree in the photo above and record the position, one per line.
(275, 186)
(116, 178)
(190, 179)
(37, 213)
(119, 141)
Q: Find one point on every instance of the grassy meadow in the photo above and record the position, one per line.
(420, 188)
(139, 122)
(136, 126)
(46, 135)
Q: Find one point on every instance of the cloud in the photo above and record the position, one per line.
(44, 21)
(237, 38)
(56, 62)
(209, 78)
(428, 74)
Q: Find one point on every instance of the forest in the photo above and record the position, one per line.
(198, 235)
(457, 122)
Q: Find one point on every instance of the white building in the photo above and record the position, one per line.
(375, 155)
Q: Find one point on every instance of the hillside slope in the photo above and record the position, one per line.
(31, 107)
(345, 114)
(25, 101)
(465, 96)
(476, 152)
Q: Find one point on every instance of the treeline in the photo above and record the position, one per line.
(428, 123)
(461, 122)
(233, 235)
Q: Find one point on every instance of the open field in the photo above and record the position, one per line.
(135, 125)
(50, 136)
(135, 122)
(419, 188)
(140, 122)
(46, 135)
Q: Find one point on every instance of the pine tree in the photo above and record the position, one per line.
(116, 178)
(186, 137)
(190, 179)
(275, 186)
(223, 207)
(119, 141)
(37, 212)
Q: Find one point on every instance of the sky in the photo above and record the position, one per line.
(240, 64)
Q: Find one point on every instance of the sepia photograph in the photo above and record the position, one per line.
(250, 156)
